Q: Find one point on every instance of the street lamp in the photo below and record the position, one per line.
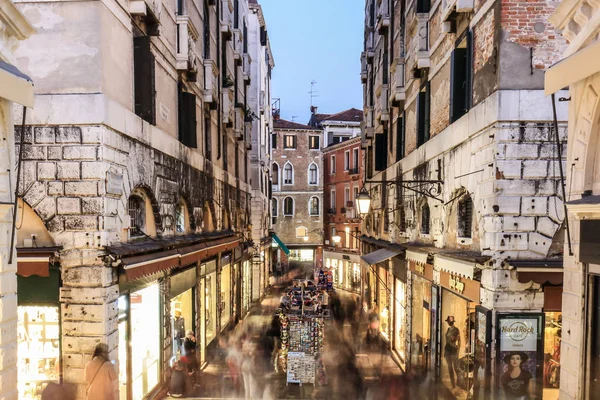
(363, 202)
(306, 238)
(336, 239)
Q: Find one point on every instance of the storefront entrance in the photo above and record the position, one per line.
(400, 321)
(421, 326)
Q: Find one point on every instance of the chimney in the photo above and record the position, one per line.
(313, 109)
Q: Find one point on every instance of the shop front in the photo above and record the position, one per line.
(384, 299)
(399, 305)
(345, 269)
(38, 324)
(377, 285)
(183, 306)
(225, 286)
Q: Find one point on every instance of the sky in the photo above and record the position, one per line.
(318, 40)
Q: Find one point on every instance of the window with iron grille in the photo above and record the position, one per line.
(313, 206)
(137, 213)
(313, 173)
(465, 216)
(288, 174)
(288, 206)
(187, 118)
(425, 219)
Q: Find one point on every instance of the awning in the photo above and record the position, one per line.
(35, 260)
(380, 255)
(137, 267)
(539, 271)
(417, 256)
(281, 245)
(575, 68)
(454, 266)
(15, 85)
(200, 251)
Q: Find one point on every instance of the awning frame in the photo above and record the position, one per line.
(378, 256)
(453, 266)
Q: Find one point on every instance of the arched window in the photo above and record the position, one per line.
(465, 216)
(313, 206)
(288, 174)
(274, 208)
(137, 214)
(425, 219)
(288, 206)
(301, 232)
(313, 174)
(275, 178)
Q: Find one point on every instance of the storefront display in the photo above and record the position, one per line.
(384, 301)
(421, 326)
(552, 338)
(246, 287)
(225, 295)
(182, 319)
(210, 303)
(400, 321)
(38, 333)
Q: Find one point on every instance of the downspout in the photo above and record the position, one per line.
(562, 176)
(14, 223)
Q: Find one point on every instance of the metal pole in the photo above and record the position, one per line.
(562, 176)
(14, 225)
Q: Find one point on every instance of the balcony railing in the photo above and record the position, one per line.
(349, 204)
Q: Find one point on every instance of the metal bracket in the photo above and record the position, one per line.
(428, 188)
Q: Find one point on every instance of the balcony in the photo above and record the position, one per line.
(227, 106)
(451, 7)
(226, 22)
(423, 41)
(331, 211)
(383, 18)
(398, 94)
(246, 67)
(187, 59)
(149, 11)
(382, 111)
(237, 46)
(210, 91)
(363, 67)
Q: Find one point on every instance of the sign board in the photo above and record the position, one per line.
(114, 183)
(301, 368)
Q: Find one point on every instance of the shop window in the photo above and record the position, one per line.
(303, 255)
(288, 206)
(425, 219)
(301, 232)
(275, 176)
(274, 208)
(143, 73)
(313, 206)
(465, 216)
(355, 165)
(288, 174)
(313, 174)
(346, 160)
(182, 307)
(225, 296)
(289, 141)
(137, 213)
(313, 142)
(210, 301)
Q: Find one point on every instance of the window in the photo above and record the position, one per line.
(273, 140)
(187, 118)
(346, 160)
(274, 208)
(460, 82)
(289, 141)
(465, 216)
(332, 198)
(301, 232)
(400, 137)
(347, 196)
(381, 153)
(356, 161)
(313, 142)
(423, 6)
(206, 31)
(180, 218)
(313, 206)
(332, 165)
(137, 214)
(288, 174)
(303, 255)
(275, 178)
(425, 219)
(143, 71)
(236, 14)
(423, 115)
(288, 206)
(180, 7)
(313, 174)
(336, 140)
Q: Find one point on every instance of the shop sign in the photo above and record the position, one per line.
(114, 183)
(520, 353)
(420, 268)
(455, 284)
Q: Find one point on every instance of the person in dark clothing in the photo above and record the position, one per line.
(337, 310)
(178, 331)
(178, 379)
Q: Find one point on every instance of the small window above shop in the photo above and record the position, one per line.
(465, 217)
(425, 219)
(137, 216)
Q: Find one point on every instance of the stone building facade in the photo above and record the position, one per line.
(15, 88)
(577, 22)
(297, 184)
(342, 181)
(136, 164)
(463, 172)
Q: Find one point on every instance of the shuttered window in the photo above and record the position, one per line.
(425, 219)
(460, 82)
(400, 137)
(289, 141)
(145, 93)
(263, 36)
(465, 217)
(187, 119)
(423, 115)
(273, 141)
(381, 153)
(423, 6)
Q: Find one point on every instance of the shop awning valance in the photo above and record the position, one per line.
(379, 256)
(454, 266)
(539, 271)
(200, 251)
(281, 245)
(417, 256)
(35, 260)
(137, 267)
(15, 85)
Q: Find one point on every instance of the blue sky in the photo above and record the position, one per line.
(317, 40)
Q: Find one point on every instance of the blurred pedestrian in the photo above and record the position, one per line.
(55, 391)
(100, 376)
(189, 343)
(178, 379)
(249, 370)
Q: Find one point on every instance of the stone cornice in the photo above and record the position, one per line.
(578, 21)
(14, 21)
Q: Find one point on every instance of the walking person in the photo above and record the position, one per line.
(451, 349)
(100, 376)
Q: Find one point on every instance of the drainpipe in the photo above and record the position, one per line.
(14, 222)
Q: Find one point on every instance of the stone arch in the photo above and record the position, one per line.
(30, 222)
(148, 194)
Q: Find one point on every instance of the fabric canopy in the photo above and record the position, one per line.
(139, 266)
(281, 245)
(380, 255)
(15, 85)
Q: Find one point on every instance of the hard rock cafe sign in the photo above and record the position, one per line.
(456, 284)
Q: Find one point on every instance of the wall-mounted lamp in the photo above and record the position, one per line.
(336, 239)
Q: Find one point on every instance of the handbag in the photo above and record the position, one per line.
(94, 377)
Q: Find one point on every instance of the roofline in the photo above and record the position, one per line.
(341, 145)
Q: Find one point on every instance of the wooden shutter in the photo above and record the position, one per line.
(458, 84)
(187, 119)
(295, 142)
(427, 103)
(400, 127)
(145, 94)
(421, 119)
